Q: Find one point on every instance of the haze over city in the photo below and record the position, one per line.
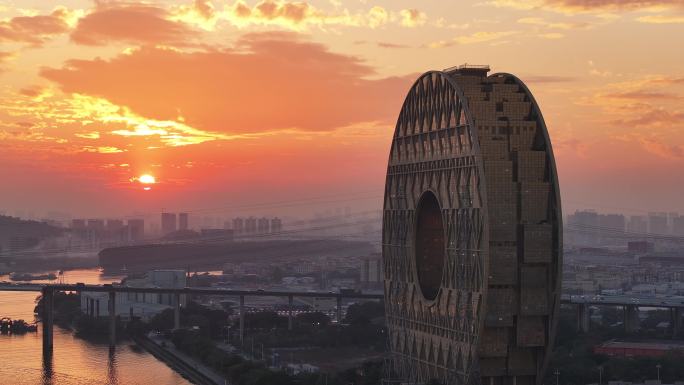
(234, 103)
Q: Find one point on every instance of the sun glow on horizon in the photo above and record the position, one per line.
(147, 179)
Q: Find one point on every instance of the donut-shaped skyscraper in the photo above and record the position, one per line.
(472, 233)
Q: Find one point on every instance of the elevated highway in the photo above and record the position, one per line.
(631, 304)
(48, 291)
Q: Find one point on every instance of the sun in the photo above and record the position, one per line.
(147, 179)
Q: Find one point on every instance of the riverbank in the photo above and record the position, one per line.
(74, 361)
(183, 364)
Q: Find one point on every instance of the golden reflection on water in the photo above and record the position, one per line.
(74, 361)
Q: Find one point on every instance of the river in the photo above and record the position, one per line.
(74, 360)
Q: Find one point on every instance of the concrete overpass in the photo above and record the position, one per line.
(48, 291)
(630, 304)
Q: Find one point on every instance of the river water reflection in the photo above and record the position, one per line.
(74, 361)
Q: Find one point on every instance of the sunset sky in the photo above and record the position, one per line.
(230, 103)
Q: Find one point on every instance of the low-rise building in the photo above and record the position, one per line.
(142, 305)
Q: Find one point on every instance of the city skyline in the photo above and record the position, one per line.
(88, 108)
(342, 192)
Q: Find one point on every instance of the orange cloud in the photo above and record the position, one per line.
(300, 15)
(667, 80)
(474, 38)
(130, 23)
(655, 146)
(662, 19)
(412, 17)
(294, 12)
(539, 22)
(548, 79)
(293, 15)
(5, 57)
(34, 30)
(643, 95)
(31, 91)
(267, 82)
(384, 44)
(588, 6)
(651, 116)
(103, 149)
(205, 8)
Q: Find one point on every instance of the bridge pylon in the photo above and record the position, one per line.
(583, 319)
(112, 318)
(632, 322)
(48, 319)
(676, 321)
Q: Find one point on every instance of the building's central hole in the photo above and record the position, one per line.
(430, 246)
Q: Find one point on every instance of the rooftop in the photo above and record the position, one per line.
(469, 68)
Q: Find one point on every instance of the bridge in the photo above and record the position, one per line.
(48, 291)
(630, 304)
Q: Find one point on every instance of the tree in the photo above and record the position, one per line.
(363, 313)
(265, 320)
(162, 321)
(312, 320)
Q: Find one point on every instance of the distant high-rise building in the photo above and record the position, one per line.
(678, 226)
(371, 269)
(612, 221)
(276, 225)
(153, 228)
(78, 224)
(638, 224)
(585, 225)
(168, 223)
(114, 225)
(657, 223)
(96, 225)
(182, 221)
(136, 230)
(251, 225)
(585, 218)
(238, 225)
(115, 230)
(262, 225)
(612, 227)
(671, 217)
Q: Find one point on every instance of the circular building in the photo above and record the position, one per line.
(471, 233)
